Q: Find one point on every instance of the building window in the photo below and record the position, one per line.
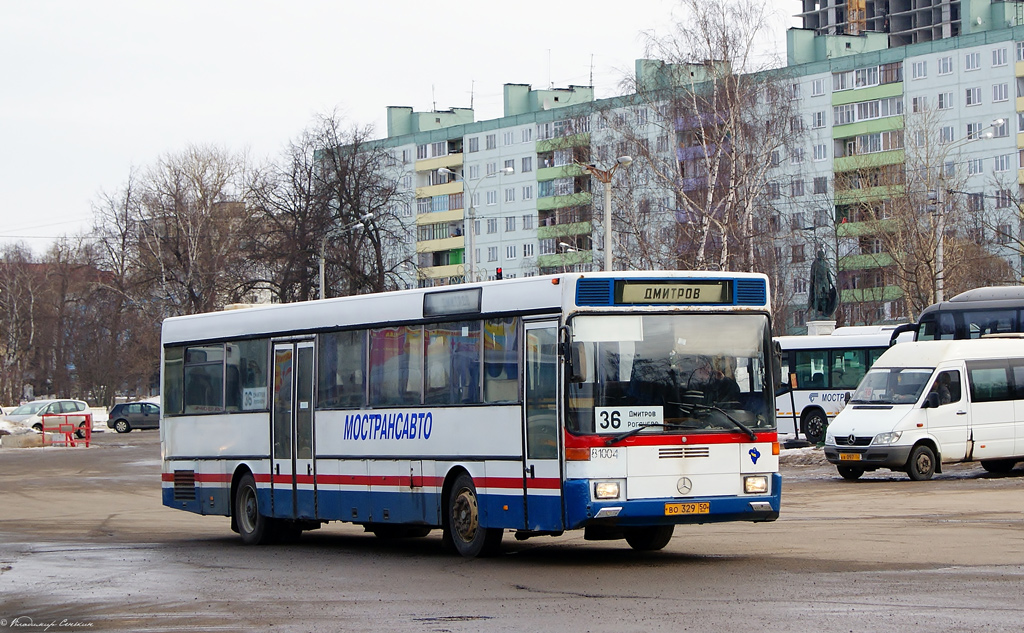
(528, 249)
(439, 149)
(796, 156)
(999, 57)
(918, 104)
(492, 253)
(820, 152)
(796, 188)
(1001, 130)
(491, 141)
(527, 222)
(474, 172)
(1000, 92)
(972, 61)
(800, 286)
(510, 223)
(510, 138)
(945, 65)
(474, 144)
(1004, 234)
(661, 143)
(945, 100)
(492, 168)
(821, 184)
(527, 164)
(492, 225)
(818, 119)
(1003, 198)
(510, 164)
(975, 166)
(528, 192)
(973, 96)
(1001, 163)
(798, 253)
(527, 135)
(773, 190)
(421, 152)
(510, 195)
(817, 87)
(946, 134)
(492, 197)
(919, 70)
(796, 124)
(510, 251)
(794, 91)
(973, 130)
(1020, 51)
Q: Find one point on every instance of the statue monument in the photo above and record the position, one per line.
(822, 298)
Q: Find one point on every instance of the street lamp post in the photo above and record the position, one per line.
(354, 226)
(605, 177)
(939, 196)
(471, 217)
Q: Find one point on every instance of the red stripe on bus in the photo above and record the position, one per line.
(510, 483)
(739, 437)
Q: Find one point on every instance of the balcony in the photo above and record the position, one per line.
(865, 262)
(433, 164)
(561, 230)
(559, 260)
(557, 202)
(871, 295)
(562, 171)
(874, 159)
(561, 142)
(439, 190)
(440, 272)
(444, 244)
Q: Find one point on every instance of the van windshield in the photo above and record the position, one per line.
(892, 385)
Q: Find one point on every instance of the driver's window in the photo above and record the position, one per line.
(947, 387)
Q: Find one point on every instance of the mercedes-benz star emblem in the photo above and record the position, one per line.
(684, 485)
(852, 439)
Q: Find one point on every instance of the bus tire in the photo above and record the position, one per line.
(998, 465)
(253, 527)
(921, 465)
(650, 538)
(464, 530)
(814, 424)
(849, 473)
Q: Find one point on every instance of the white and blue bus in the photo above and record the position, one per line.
(619, 403)
(823, 370)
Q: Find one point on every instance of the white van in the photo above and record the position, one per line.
(928, 403)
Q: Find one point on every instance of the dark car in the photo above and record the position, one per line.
(134, 415)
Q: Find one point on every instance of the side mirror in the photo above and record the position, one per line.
(846, 398)
(577, 358)
(777, 362)
(931, 401)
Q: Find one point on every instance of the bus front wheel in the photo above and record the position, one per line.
(253, 527)
(649, 539)
(464, 530)
(814, 425)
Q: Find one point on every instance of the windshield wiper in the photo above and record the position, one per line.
(632, 432)
(746, 429)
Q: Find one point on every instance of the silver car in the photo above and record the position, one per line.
(31, 413)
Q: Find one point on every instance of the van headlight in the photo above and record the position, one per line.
(606, 490)
(830, 438)
(887, 438)
(755, 484)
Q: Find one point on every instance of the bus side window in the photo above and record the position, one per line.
(810, 369)
(501, 360)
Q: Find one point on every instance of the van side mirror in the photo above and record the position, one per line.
(931, 401)
(846, 398)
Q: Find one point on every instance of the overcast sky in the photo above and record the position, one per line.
(92, 89)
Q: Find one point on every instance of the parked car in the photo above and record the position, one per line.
(31, 413)
(134, 415)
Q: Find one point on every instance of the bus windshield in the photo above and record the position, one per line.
(895, 385)
(673, 372)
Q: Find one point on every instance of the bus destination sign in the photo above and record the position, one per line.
(671, 292)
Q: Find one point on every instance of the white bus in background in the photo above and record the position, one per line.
(622, 404)
(823, 369)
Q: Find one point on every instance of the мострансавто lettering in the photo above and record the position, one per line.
(388, 426)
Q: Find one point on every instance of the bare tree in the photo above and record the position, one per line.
(20, 290)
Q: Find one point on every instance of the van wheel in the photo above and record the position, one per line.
(850, 474)
(814, 426)
(998, 465)
(921, 465)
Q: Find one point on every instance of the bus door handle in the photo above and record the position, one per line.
(309, 469)
(529, 471)
(277, 469)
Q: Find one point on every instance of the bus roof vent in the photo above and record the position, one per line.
(594, 292)
(751, 292)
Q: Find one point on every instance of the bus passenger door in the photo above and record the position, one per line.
(294, 490)
(541, 466)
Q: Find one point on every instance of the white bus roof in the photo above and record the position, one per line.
(931, 353)
(521, 295)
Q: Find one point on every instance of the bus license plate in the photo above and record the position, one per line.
(849, 457)
(673, 509)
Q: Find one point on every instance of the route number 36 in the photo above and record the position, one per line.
(609, 420)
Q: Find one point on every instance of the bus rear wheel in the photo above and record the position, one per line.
(253, 527)
(814, 426)
(649, 539)
(463, 530)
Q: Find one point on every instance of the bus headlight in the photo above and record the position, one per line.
(755, 484)
(887, 438)
(606, 490)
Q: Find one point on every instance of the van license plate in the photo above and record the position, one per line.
(849, 457)
(673, 509)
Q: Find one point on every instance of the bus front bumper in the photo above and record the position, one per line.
(581, 511)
